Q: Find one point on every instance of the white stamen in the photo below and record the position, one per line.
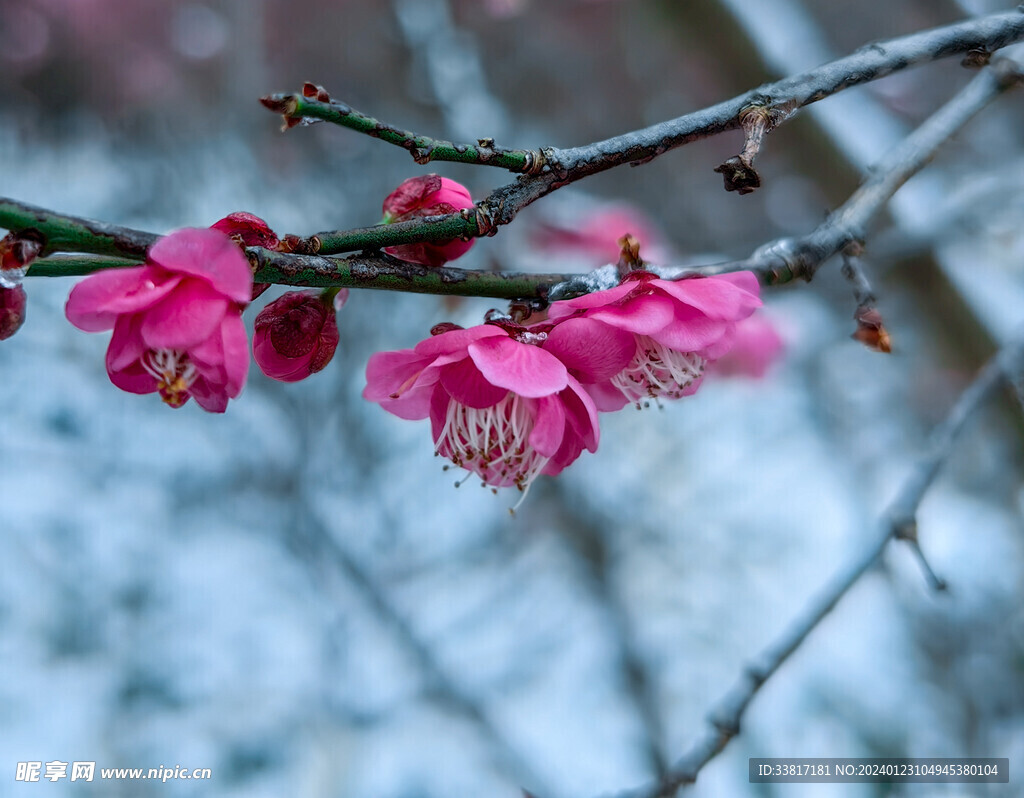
(173, 371)
(657, 371)
(493, 441)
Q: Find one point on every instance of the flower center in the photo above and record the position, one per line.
(657, 371)
(174, 374)
(493, 442)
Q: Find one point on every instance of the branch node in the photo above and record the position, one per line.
(485, 222)
(977, 58)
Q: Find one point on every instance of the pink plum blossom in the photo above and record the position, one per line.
(655, 336)
(428, 195)
(176, 320)
(499, 405)
(595, 236)
(756, 345)
(296, 335)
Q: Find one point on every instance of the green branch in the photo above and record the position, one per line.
(423, 149)
(61, 233)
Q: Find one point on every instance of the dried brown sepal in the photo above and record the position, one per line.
(871, 331)
(739, 175)
(445, 326)
(314, 91)
(629, 254)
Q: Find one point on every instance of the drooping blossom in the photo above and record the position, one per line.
(427, 195)
(658, 335)
(296, 334)
(248, 230)
(176, 320)
(756, 344)
(499, 405)
(12, 310)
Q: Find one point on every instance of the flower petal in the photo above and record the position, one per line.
(96, 301)
(714, 296)
(456, 340)
(548, 426)
(691, 331)
(185, 318)
(208, 254)
(126, 344)
(590, 349)
(644, 314)
(466, 385)
(526, 369)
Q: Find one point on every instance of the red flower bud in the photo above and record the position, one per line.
(17, 251)
(428, 195)
(296, 335)
(12, 311)
(248, 230)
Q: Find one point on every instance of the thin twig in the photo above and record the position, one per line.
(871, 62)
(725, 716)
(792, 258)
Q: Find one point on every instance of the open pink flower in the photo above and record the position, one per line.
(296, 335)
(656, 335)
(177, 320)
(427, 195)
(499, 405)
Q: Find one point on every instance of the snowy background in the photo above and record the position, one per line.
(294, 595)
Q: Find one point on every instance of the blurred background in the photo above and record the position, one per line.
(296, 596)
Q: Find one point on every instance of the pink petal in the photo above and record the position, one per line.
(548, 426)
(607, 398)
(591, 350)
(643, 315)
(456, 340)
(126, 344)
(714, 296)
(133, 379)
(185, 318)
(466, 385)
(236, 353)
(96, 301)
(414, 404)
(439, 401)
(691, 331)
(581, 414)
(526, 369)
(208, 254)
(209, 396)
(598, 298)
(390, 373)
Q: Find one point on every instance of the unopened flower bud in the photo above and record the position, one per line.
(249, 230)
(296, 334)
(12, 311)
(17, 251)
(428, 195)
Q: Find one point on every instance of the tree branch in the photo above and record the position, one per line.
(778, 262)
(788, 259)
(725, 716)
(72, 233)
(869, 63)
